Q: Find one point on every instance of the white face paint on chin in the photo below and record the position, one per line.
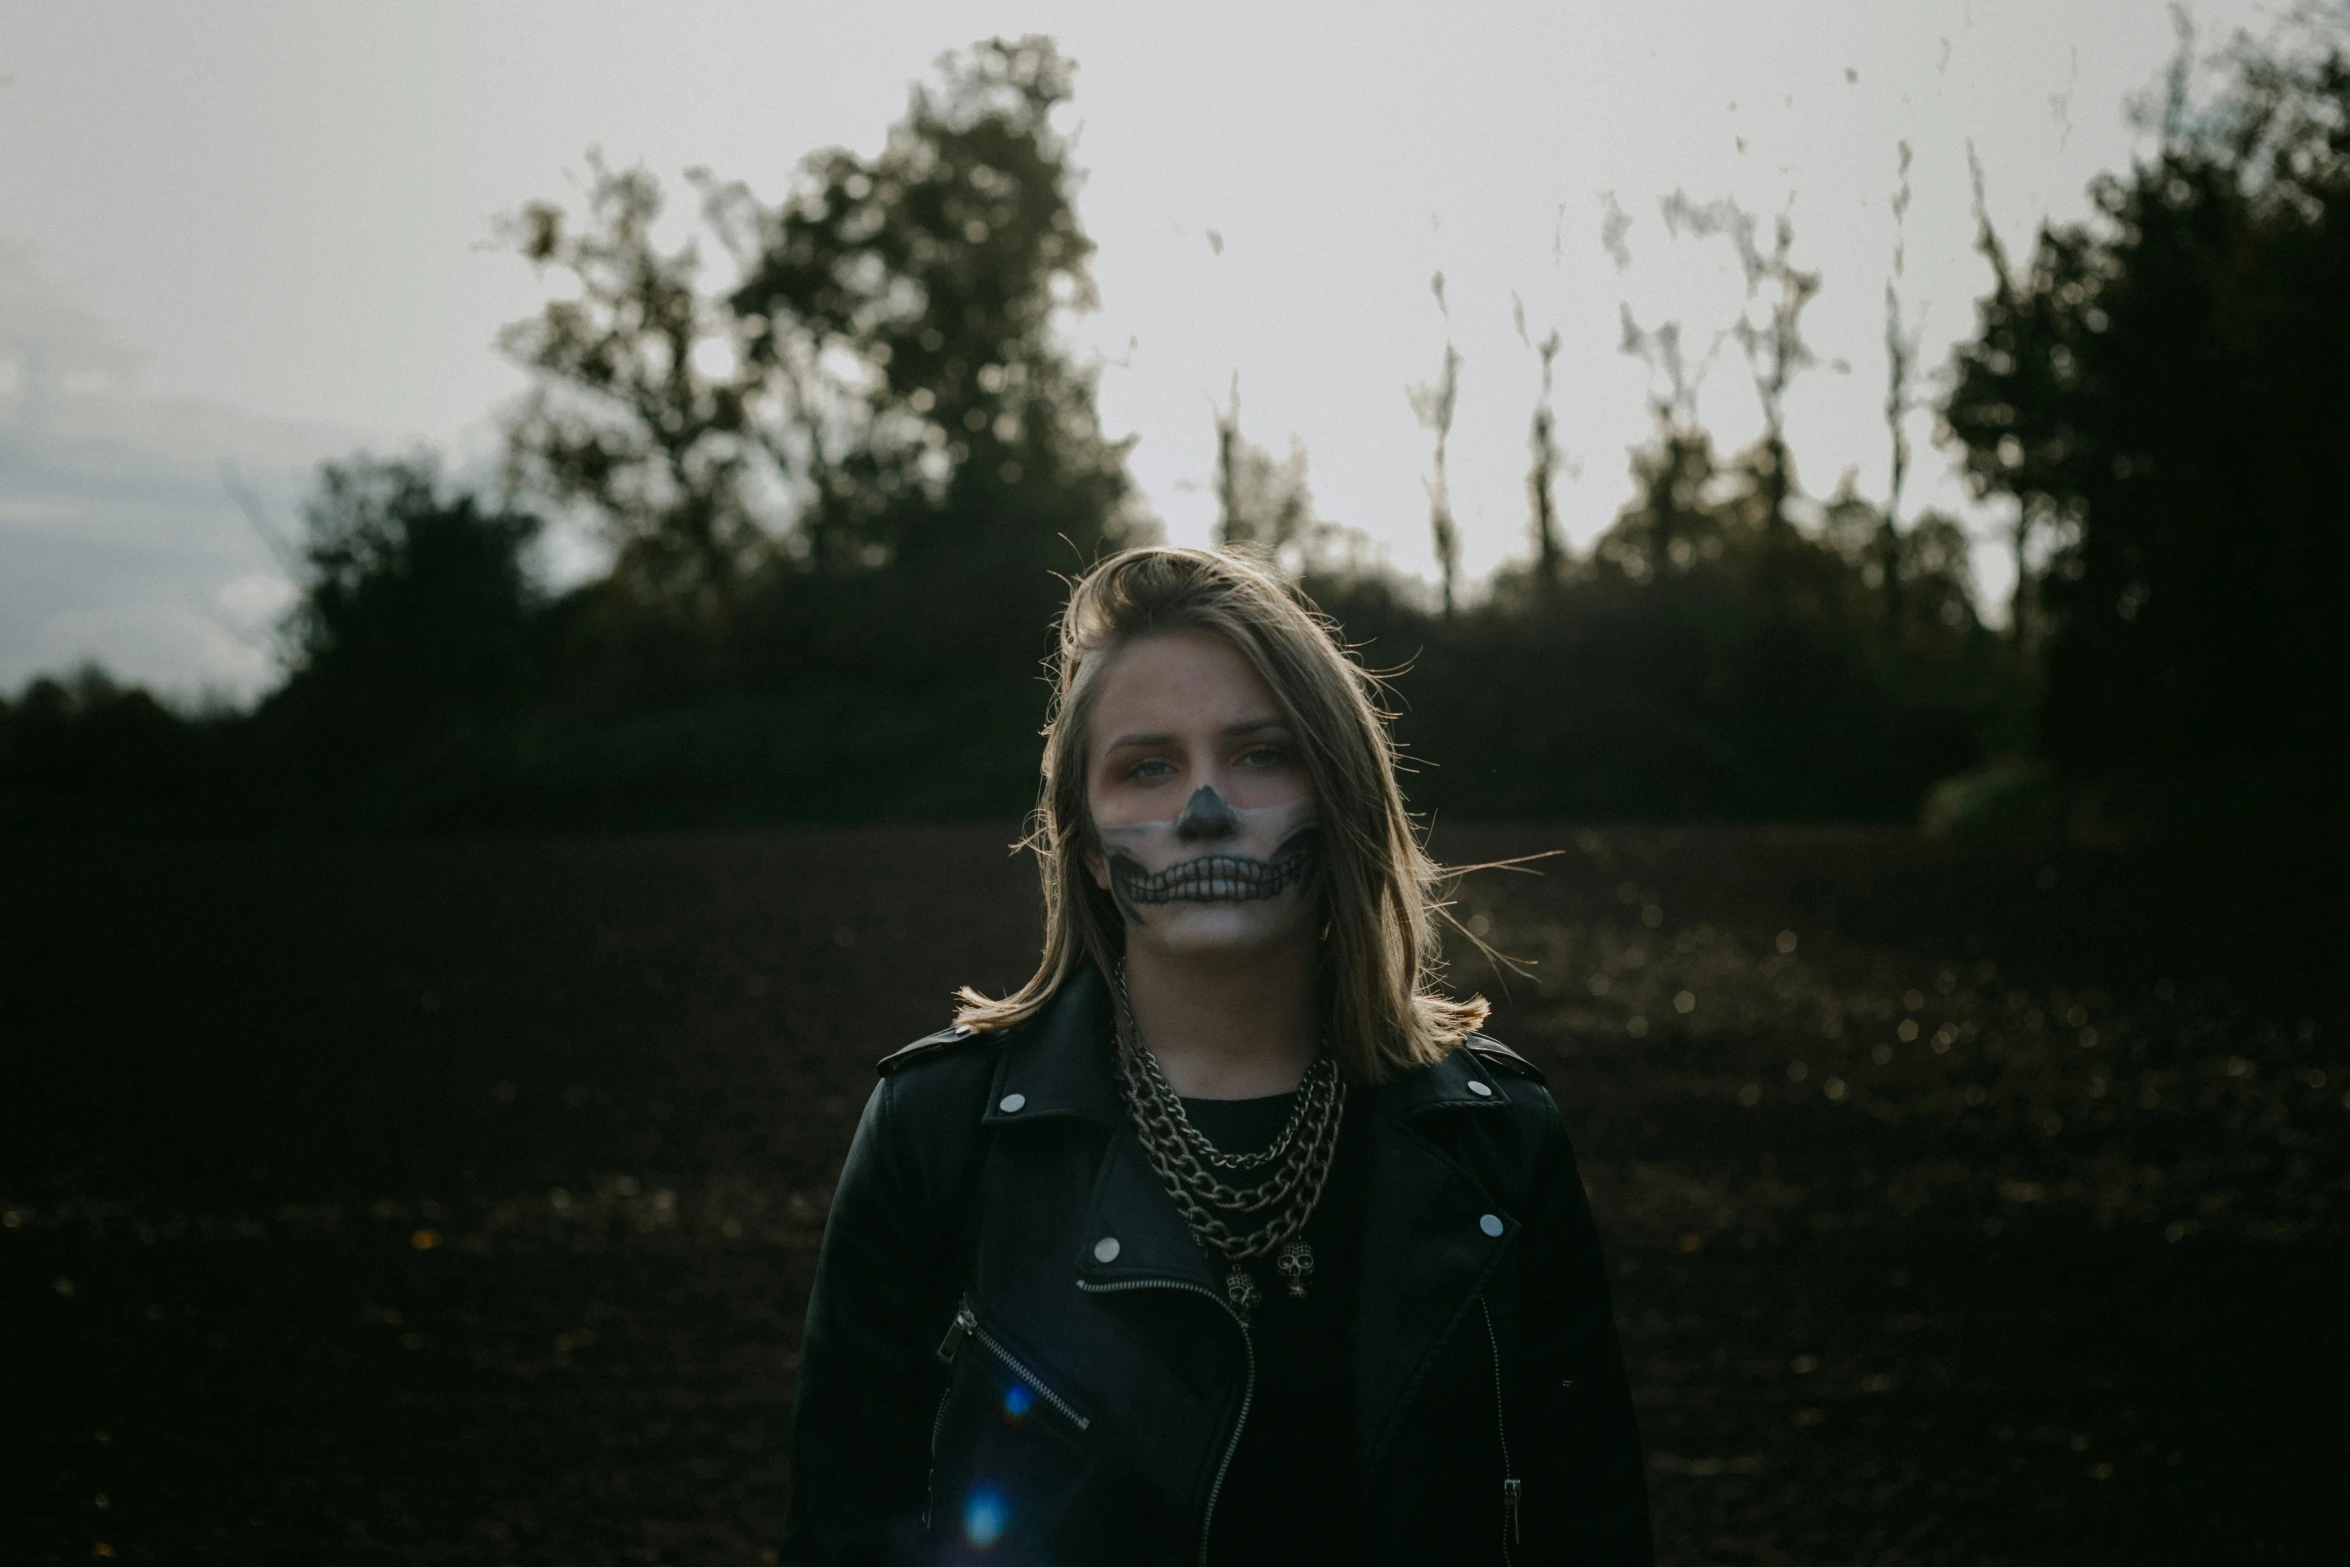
(1215, 877)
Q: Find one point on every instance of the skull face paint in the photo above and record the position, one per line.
(1215, 875)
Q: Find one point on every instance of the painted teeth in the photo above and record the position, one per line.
(1218, 879)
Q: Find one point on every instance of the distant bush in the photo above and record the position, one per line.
(1711, 690)
(2007, 798)
(86, 750)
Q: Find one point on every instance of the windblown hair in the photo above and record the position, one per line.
(1379, 965)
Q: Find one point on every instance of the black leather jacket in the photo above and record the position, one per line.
(981, 1378)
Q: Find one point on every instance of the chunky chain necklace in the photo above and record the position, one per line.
(1274, 1191)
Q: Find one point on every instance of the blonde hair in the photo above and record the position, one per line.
(1379, 959)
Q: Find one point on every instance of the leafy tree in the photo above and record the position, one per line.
(1672, 520)
(416, 608)
(2161, 389)
(931, 273)
(865, 452)
(2026, 355)
(639, 412)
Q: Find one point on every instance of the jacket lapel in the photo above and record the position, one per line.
(1131, 1230)
(1131, 1218)
(1430, 1232)
(1430, 1236)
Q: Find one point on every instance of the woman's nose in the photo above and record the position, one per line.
(1206, 816)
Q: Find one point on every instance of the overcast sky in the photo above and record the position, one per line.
(237, 238)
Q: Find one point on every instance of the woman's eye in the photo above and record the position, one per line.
(1150, 767)
(1264, 756)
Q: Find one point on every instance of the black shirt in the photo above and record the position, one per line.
(1288, 1494)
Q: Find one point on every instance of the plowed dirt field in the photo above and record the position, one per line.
(454, 1201)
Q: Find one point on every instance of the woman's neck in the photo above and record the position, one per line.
(1227, 1025)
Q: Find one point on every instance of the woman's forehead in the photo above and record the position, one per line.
(1183, 679)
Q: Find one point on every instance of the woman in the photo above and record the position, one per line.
(1224, 1239)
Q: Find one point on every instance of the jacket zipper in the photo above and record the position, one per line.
(938, 1421)
(1510, 1487)
(948, 1347)
(966, 1325)
(1248, 1388)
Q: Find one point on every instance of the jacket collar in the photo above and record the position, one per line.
(1425, 1235)
(1461, 1081)
(1058, 1064)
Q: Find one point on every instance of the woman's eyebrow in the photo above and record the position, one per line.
(1247, 726)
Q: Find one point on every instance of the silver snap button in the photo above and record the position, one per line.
(1106, 1249)
(1011, 1104)
(1490, 1224)
(1481, 1090)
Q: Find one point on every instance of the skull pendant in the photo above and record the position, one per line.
(1296, 1266)
(1242, 1291)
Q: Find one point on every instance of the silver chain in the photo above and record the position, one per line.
(1295, 1166)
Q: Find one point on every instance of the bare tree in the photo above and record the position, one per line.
(1433, 402)
(2005, 314)
(1261, 501)
(1549, 549)
(1776, 353)
(1230, 524)
(1669, 512)
(1774, 347)
(1901, 352)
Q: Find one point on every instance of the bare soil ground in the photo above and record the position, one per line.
(454, 1201)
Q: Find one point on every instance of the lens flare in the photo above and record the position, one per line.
(1017, 1402)
(984, 1516)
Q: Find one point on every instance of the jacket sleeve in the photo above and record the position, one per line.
(868, 1371)
(1586, 1487)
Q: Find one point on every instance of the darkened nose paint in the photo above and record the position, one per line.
(1206, 814)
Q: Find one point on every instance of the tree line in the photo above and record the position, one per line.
(838, 484)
